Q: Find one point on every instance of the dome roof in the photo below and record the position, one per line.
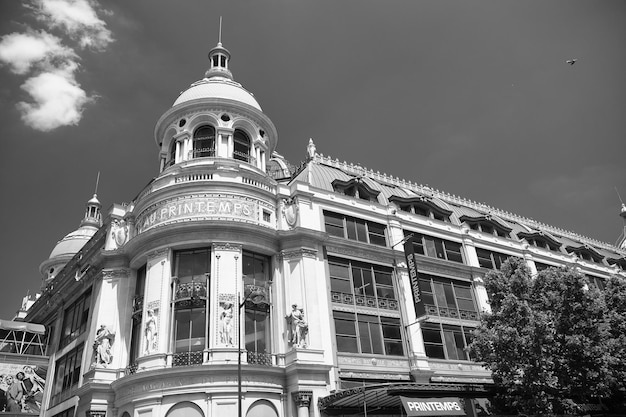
(73, 242)
(217, 87)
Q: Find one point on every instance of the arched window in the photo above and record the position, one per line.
(172, 160)
(241, 150)
(204, 142)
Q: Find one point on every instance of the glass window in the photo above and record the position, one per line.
(241, 149)
(446, 341)
(434, 247)
(368, 334)
(448, 298)
(75, 319)
(204, 142)
(354, 229)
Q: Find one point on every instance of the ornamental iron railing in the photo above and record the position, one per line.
(187, 358)
(364, 300)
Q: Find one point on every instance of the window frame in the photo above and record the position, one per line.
(354, 228)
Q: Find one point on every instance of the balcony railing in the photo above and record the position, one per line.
(451, 313)
(364, 300)
(187, 358)
(193, 289)
(260, 358)
(202, 153)
(242, 156)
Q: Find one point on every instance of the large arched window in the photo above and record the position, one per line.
(204, 142)
(191, 267)
(241, 150)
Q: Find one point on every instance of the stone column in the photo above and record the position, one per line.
(303, 401)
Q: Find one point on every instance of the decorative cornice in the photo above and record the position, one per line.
(115, 273)
(297, 254)
(230, 247)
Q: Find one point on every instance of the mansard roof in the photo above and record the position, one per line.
(321, 171)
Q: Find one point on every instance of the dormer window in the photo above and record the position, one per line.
(356, 188)
(586, 253)
(422, 206)
(241, 149)
(541, 240)
(204, 142)
(486, 224)
(620, 262)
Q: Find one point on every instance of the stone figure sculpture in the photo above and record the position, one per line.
(102, 346)
(225, 325)
(150, 331)
(299, 326)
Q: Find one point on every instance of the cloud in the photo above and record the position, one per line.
(77, 18)
(22, 51)
(58, 99)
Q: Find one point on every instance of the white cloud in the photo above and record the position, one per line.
(58, 99)
(22, 51)
(78, 18)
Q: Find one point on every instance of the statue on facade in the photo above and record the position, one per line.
(299, 326)
(119, 232)
(225, 324)
(102, 346)
(151, 329)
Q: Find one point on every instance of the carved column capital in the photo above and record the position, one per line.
(303, 398)
(95, 413)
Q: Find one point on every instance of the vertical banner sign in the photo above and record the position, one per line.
(411, 263)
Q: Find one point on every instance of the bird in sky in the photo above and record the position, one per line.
(572, 61)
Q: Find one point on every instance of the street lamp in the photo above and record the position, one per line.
(257, 296)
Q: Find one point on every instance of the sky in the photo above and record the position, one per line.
(474, 98)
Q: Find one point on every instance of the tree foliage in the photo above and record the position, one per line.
(552, 342)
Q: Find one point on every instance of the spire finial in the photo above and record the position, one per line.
(219, 38)
(97, 182)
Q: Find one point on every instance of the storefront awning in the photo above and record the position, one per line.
(385, 398)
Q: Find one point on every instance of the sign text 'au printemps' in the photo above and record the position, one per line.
(199, 207)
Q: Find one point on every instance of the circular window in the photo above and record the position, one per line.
(262, 133)
(182, 122)
(225, 117)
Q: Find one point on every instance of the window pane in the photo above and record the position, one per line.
(429, 246)
(340, 285)
(435, 351)
(383, 277)
(431, 336)
(394, 348)
(453, 251)
(361, 230)
(450, 345)
(347, 344)
(439, 249)
(351, 228)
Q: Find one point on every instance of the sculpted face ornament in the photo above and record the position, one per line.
(290, 211)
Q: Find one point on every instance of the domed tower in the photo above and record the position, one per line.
(67, 247)
(215, 118)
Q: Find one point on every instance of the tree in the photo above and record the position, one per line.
(546, 340)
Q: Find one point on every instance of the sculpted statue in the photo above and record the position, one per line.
(150, 332)
(102, 346)
(225, 324)
(299, 326)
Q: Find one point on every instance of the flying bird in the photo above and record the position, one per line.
(572, 61)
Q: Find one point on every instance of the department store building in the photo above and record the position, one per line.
(236, 283)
